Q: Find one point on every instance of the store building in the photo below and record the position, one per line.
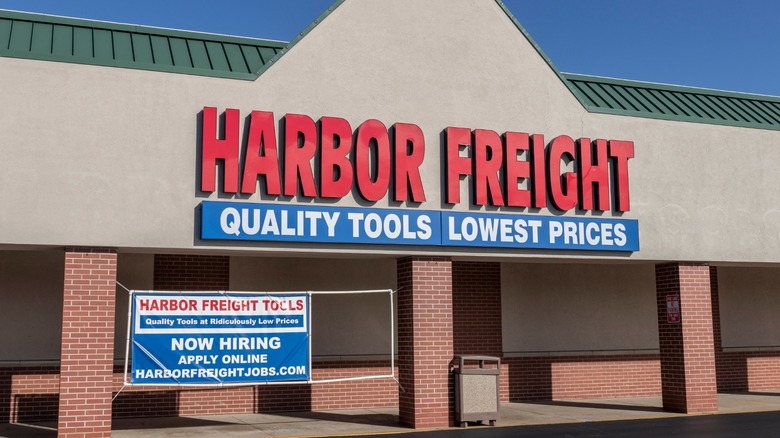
(605, 238)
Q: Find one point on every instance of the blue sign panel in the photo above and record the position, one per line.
(539, 232)
(299, 223)
(212, 338)
(306, 223)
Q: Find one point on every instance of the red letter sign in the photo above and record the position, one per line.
(213, 149)
(562, 199)
(336, 144)
(593, 173)
(456, 165)
(261, 156)
(621, 151)
(299, 130)
(538, 174)
(409, 155)
(516, 170)
(376, 189)
(488, 158)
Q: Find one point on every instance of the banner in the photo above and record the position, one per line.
(212, 338)
(313, 223)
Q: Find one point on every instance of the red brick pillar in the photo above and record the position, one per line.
(688, 378)
(425, 346)
(87, 357)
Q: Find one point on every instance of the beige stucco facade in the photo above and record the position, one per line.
(101, 156)
(108, 156)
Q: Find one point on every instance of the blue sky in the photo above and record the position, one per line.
(730, 45)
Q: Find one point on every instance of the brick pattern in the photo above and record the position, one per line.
(749, 371)
(143, 401)
(522, 378)
(87, 357)
(741, 371)
(580, 377)
(425, 341)
(476, 308)
(193, 272)
(30, 393)
(688, 379)
(373, 393)
(176, 272)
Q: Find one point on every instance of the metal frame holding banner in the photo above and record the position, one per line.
(222, 338)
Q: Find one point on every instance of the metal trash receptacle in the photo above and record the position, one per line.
(476, 389)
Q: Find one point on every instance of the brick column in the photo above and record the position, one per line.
(87, 357)
(425, 345)
(688, 379)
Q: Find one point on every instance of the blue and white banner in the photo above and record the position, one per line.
(313, 223)
(211, 338)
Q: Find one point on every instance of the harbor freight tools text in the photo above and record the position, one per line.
(513, 169)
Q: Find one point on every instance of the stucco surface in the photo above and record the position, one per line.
(342, 325)
(31, 287)
(31, 310)
(579, 308)
(108, 157)
(749, 305)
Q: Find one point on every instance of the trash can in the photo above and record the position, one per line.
(476, 389)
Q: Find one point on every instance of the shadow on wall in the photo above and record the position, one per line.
(283, 398)
(529, 378)
(748, 371)
(146, 404)
(613, 376)
(543, 378)
(29, 394)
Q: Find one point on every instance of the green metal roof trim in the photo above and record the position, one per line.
(672, 102)
(50, 38)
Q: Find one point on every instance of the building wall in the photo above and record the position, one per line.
(561, 340)
(29, 391)
(749, 301)
(118, 161)
(578, 307)
(749, 305)
(124, 190)
(135, 272)
(31, 284)
(581, 376)
(343, 325)
(576, 331)
(679, 198)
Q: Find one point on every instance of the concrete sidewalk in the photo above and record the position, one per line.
(379, 421)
